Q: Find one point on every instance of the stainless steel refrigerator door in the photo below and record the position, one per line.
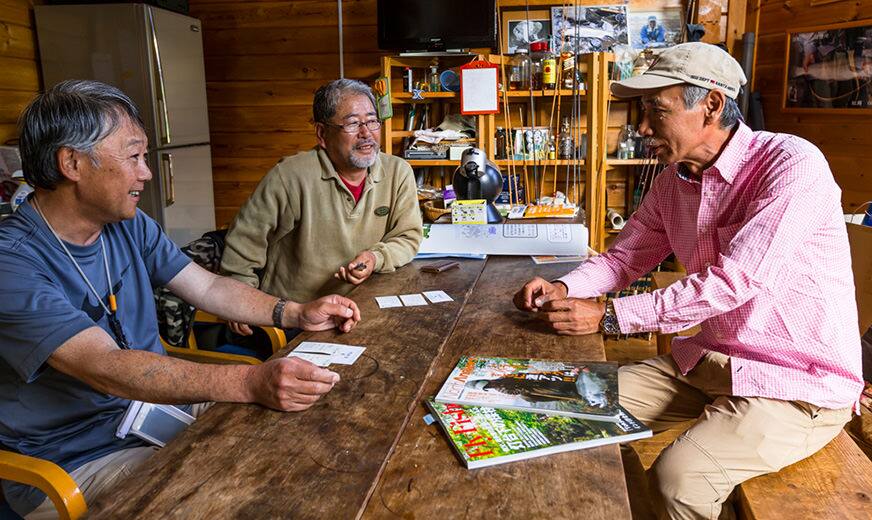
(185, 176)
(179, 78)
(101, 42)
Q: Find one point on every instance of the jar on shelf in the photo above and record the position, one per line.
(519, 71)
(538, 54)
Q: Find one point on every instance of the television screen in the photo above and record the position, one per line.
(413, 25)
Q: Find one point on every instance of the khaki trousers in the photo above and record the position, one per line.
(100, 475)
(731, 440)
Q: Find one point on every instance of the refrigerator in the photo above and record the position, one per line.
(156, 57)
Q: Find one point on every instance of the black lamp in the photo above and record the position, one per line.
(479, 178)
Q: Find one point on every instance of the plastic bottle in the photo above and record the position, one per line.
(434, 78)
(567, 145)
(519, 71)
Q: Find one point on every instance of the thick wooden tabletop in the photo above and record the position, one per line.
(424, 479)
(363, 448)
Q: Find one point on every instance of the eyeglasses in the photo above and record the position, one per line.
(352, 128)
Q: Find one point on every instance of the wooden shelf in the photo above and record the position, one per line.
(611, 161)
(541, 162)
(406, 97)
(432, 162)
(542, 93)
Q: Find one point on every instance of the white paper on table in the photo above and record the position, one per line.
(438, 296)
(412, 300)
(334, 352)
(322, 360)
(386, 302)
(346, 354)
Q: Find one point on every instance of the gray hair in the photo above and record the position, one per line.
(75, 114)
(731, 114)
(327, 97)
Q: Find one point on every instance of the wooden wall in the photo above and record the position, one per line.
(264, 61)
(19, 67)
(845, 139)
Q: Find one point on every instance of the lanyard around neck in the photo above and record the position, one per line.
(112, 308)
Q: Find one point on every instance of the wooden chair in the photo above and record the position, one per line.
(659, 280)
(49, 478)
(224, 354)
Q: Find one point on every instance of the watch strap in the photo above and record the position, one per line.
(277, 312)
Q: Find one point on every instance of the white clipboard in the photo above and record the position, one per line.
(478, 88)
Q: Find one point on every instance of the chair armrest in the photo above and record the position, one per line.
(49, 478)
(277, 337)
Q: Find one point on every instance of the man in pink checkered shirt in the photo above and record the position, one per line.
(756, 218)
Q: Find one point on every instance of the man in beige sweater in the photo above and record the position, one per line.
(324, 220)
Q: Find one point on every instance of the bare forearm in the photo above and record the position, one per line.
(229, 299)
(150, 377)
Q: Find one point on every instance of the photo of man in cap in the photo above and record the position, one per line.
(775, 371)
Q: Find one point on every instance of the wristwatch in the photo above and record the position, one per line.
(609, 324)
(278, 310)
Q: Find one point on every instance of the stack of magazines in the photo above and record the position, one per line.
(497, 410)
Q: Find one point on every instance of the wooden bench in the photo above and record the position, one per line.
(834, 483)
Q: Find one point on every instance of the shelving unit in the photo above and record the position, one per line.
(601, 182)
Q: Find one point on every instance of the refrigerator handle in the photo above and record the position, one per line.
(161, 95)
(169, 179)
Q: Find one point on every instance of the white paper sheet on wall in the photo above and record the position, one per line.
(506, 239)
(478, 90)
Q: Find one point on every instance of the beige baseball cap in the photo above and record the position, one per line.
(701, 64)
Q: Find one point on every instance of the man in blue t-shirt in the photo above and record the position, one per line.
(78, 330)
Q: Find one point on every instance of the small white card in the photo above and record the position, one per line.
(385, 302)
(438, 296)
(412, 300)
(320, 353)
(322, 360)
(346, 354)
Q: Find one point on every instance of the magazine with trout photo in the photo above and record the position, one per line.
(587, 390)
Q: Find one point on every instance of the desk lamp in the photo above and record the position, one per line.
(479, 178)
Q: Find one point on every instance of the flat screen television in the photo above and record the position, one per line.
(436, 25)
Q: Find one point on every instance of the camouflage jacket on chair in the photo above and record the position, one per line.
(174, 315)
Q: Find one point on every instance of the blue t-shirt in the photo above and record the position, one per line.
(43, 303)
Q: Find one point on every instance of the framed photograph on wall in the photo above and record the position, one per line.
(521, 28)
(656, 28)
(829, 68)
(589, 28)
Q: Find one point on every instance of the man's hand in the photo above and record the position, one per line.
(536, 292)
(240, 328)
(328, 312)
(573, 316)
(358, 269)
(289, 384)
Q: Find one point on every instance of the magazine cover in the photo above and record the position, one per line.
(484, 436)
(581, 389)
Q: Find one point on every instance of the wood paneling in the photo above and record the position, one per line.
(264, 61)
(843, 138)
(19, 68)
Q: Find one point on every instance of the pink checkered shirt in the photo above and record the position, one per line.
(769, 270)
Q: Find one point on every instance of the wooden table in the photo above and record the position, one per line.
(363, 450)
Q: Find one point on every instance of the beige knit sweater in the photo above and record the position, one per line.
(301, 224)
